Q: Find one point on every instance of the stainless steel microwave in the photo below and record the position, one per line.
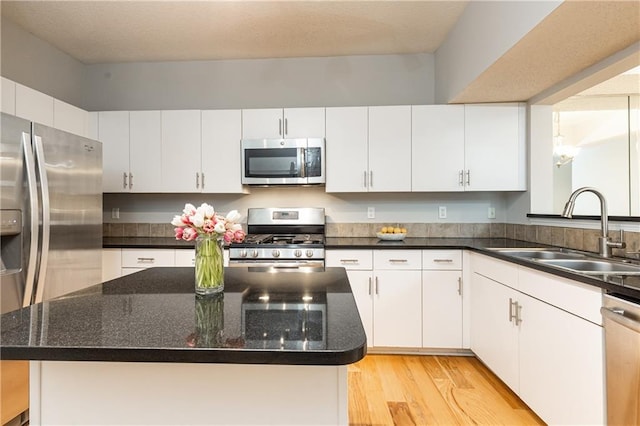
(283, 161)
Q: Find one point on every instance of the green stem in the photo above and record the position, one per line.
(209, 263)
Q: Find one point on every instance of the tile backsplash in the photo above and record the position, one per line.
(574, 238)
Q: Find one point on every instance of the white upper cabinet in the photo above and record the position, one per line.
(495, 148)
(33, 105)
(145, 151)
(221, 168)
(437, 141)
(181, 151)
(347, 149)
(390, 148)
(275, 123)
(8, 89)
(113, 132)
(70, 118)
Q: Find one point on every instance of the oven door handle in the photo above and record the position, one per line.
(276, 265)
(617, 316)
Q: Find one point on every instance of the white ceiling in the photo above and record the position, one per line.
(575, 36)
(125, 31)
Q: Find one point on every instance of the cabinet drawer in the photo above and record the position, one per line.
(185, 257)
(397, 259)
(442, 259)
(350, 259)
(133, 258)
(497, 270)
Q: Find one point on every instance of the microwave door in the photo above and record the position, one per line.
(278, 161)
(314, 161)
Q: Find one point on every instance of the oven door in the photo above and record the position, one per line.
(273, 161)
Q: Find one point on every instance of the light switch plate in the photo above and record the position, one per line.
(371, 212)
(491, 213)
(115, 213)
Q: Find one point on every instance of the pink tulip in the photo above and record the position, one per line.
(208, 226)
(179, 232)
(238, 236)
(189, 234)
(228, 236)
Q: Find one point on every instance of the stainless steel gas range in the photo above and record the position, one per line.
(281, 238)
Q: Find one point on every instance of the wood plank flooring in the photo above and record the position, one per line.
(431, 390)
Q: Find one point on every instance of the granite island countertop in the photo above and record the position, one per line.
(154, 316)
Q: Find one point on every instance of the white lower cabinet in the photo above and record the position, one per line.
(187, 257)
(547, 348)
(359, 266)
(442, 299)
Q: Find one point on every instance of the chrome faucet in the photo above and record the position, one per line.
(605, 245)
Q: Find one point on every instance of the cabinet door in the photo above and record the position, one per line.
(8, 90)
(362, 288)
(561, 364)
(262, 123)
(437, 145)
(390, 148)
(442, 309)
(33, 105)
(70, 119)
(221, 134)
(111, 264)
(346, 146)
(145, 149)
(113, 132)
(304, 122)
(185, 257)
(397, 310)
(181, 154)
(495, 147)
(494, 338)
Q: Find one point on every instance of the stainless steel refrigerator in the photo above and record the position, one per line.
(50, 212)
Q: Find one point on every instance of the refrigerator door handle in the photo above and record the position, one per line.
(32, 187)
(46, 218)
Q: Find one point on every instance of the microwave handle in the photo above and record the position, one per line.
(303, 165)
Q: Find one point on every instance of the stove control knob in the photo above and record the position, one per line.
(243, 253)
(297, 253)
(309, 253)
(254, 253)
(276, 253)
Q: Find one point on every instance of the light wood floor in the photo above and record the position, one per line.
(430, 390)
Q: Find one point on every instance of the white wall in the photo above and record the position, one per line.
(485, 31)
(36, 64)
(259, 83)
(468, 207)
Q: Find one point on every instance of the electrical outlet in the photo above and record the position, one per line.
(115, 213)
(371, 212)
(491, 213)
(442, 212)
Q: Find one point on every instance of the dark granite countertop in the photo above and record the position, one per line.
(154, 316)
(146, 243)
(628, 286)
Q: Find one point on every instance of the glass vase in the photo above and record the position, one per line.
(209, 265)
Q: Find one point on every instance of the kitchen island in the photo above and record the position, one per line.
(272, 349)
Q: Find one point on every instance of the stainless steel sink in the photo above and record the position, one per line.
(593, 266)
(539, 253)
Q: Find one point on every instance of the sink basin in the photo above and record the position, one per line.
(539, 253)
(592, 266)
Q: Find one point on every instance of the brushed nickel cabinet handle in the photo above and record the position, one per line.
(460, 286)
(377, 286)
(130, 180)
(286, 126)
(146, 259)
(365, 179)
(461, 178)
(369, 286)
(468, 177)
(124, 180)
(443, 260)
(202, 180)
(280, 126)
(371, 178)
(349, 261)
(518, 313)
(197, 180)
(511, 306)
(398, 261)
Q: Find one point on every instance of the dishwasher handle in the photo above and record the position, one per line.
(617, 316)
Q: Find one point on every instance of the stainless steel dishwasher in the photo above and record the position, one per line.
(622, 353)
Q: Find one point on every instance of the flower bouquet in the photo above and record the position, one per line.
(210, 230)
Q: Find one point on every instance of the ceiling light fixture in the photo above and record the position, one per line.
(564, 153)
